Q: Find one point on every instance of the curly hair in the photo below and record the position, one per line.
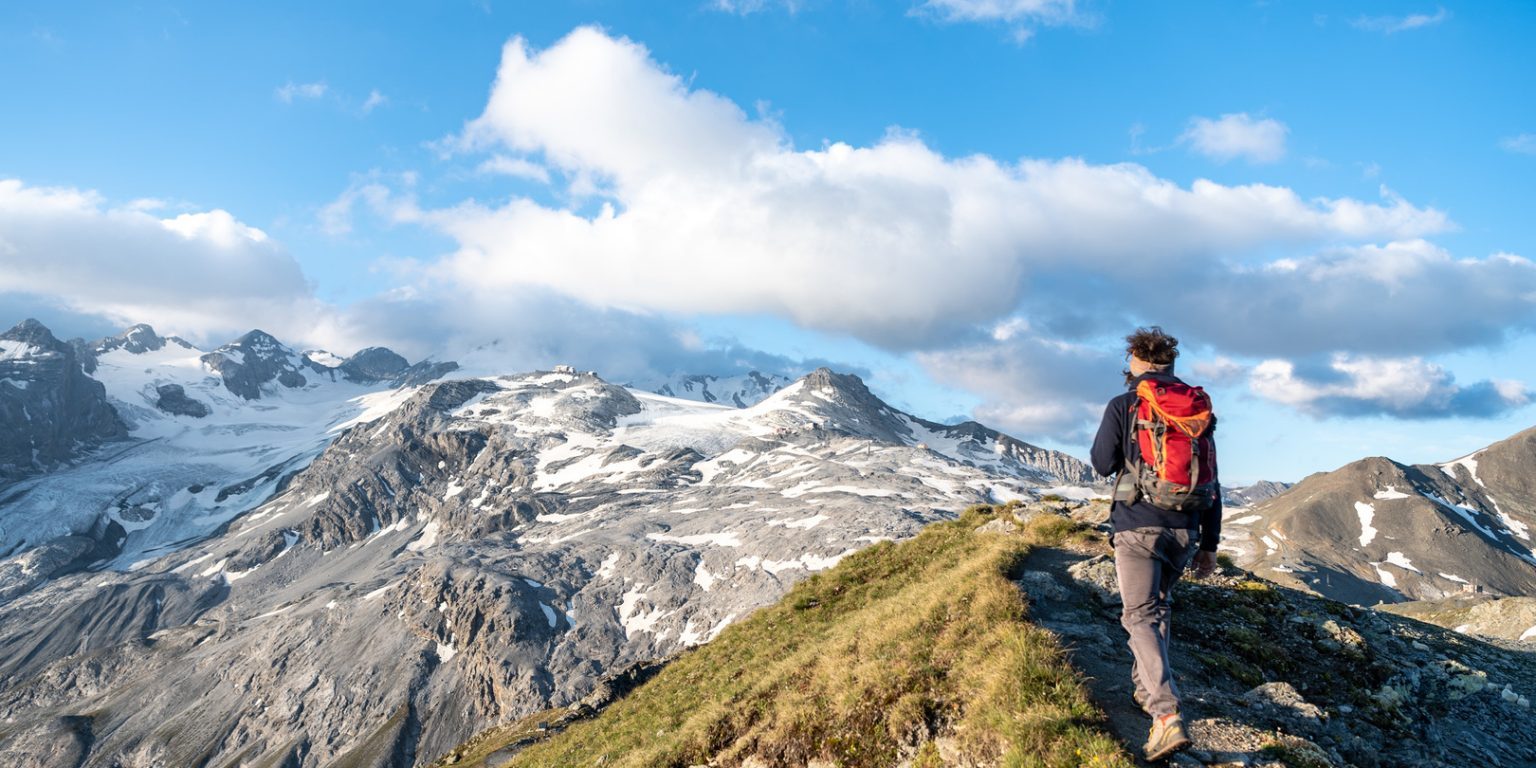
(1152, 345)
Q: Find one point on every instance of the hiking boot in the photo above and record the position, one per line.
(1166, 738)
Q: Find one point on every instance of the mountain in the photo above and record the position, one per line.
(995, 639)
(740, 391)
(51, 412)
(192, 450)
(1380, 531)
(402, 568)
(1248, 495)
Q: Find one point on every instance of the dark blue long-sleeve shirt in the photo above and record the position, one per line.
(1116, 440)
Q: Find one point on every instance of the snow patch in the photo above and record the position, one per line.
(703, 578)
(725, 539)
(549, 615)
(425, 539)
(1400, 560)
(1469, 462)
(1367, 513)
(1391, 492)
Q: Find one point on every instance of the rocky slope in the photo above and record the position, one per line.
(1271, 677)
(51, 412)
(1379, 531)
(456, 555)
(1501, 618)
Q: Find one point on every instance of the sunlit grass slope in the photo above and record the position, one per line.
(920, 650)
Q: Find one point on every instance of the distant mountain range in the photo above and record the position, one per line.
(306, 560)
(1380, 531)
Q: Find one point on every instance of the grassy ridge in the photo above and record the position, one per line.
(920, 650)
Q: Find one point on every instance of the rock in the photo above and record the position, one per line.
(1041, 585)
(1282, 696)
(51, 412)
(174, 400)
(998, 525)
(1097, 575)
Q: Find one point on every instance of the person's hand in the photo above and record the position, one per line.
(1205, 564)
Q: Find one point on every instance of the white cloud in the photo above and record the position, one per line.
(747, 7)
(1217, 371)
(1032, 386)
(1391, 25)
(374, 101)
(91, 268)
(196, 273)
(1524, 144)
(1237, 135)
(1400, 387)
(1023, 16)
(291, 91)
(712, 211)
(517, 167)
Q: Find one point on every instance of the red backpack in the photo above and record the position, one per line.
(1176, 468)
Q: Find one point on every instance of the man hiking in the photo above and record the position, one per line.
(1156, 440)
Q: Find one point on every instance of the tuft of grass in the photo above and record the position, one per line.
(868, 664)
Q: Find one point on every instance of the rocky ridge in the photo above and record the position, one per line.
(1380, 531)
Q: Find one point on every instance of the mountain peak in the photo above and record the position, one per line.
(30, 331)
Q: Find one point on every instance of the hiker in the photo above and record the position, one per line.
(1156, 440)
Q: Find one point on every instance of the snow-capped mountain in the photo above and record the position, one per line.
(1379, 531)
(426, 561)
(200, 439)
(739, 391)
(50, 410)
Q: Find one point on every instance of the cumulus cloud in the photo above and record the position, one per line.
(89, 268)
(1235, 136)
(1391, 25)
(697, 207)
(1031, 385)
(1400, 298)
(290, 92)
(531, 327)
(199, 273)
(1399, 387)
(1524, 144)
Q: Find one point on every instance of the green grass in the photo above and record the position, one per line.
(867, 663)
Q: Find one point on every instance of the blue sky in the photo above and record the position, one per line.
(966, 201)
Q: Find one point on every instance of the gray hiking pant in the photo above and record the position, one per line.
(1148, 561)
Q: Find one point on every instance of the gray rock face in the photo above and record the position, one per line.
(50, 411)
(487, 549)
(376, 365)
(174, 400)
(254, 360)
